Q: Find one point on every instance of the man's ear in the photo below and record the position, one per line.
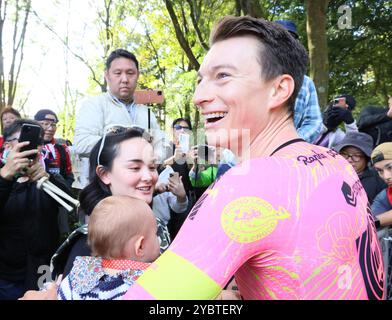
(103, 174)
(282, 89)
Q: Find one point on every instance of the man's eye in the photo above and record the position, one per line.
(222, 75)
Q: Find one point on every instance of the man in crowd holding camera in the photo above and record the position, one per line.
(114, 107)
(338, 111)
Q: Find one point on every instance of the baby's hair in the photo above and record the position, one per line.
(113, 222)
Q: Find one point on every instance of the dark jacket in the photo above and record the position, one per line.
(375, 122)
(372, 183)
(28, 230)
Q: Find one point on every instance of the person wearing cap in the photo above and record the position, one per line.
(56, 156)
(338, 111)
(356, 148)
(381, 158)
(308, 120)
(57, 159)
(112, 108)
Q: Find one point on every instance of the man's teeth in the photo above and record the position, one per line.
(215, 115)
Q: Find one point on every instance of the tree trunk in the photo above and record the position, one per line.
(252, 8)
(317, 43)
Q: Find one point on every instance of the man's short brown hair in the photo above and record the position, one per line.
(280, 53)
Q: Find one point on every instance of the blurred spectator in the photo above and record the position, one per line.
(382, 205)
(356, 148)
(56, 155)
(7, 117)
(338, 111)
(57, 159)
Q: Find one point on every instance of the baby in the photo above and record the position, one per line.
(122, 235)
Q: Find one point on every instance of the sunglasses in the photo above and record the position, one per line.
(178, 127)
(118, 130)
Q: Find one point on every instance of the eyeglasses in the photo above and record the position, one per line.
(354, 157)
(178, 127)
(117, 130)
(47, 125)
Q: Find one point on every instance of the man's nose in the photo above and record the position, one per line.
(146, 174)
(203, 95)
(124, 77)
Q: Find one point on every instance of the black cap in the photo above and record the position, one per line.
(41, 115)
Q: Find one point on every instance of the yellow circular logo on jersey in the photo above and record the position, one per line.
(249, 219)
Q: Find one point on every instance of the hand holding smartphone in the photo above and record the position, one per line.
(183, 140)
(31, 133)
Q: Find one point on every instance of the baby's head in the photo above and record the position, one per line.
(121, 227)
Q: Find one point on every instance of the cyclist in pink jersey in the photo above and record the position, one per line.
(291, 221)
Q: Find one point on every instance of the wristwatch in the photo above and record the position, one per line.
(377, 223)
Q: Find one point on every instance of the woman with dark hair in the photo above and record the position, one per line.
(7, 117)
(121, 163)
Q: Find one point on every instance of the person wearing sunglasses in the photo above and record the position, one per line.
(116, 106)
(29, 233)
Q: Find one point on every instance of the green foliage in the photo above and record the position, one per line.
(360, 57)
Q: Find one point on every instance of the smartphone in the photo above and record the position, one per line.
(32, 133)
(183, 140)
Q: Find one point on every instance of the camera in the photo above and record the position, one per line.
(149, 96)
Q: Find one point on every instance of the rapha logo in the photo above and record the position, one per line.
(350, 194)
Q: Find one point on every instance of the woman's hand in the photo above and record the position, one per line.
(36, 171)
(17, 161)
(176, 186)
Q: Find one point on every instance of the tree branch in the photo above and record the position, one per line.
(196, 26)
(180, 37)
(85, 62)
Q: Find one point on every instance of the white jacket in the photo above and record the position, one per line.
(99, 113)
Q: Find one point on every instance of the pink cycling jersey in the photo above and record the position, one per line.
(292, 226)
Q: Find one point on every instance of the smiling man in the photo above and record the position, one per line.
(115, 107)
(295, 224)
